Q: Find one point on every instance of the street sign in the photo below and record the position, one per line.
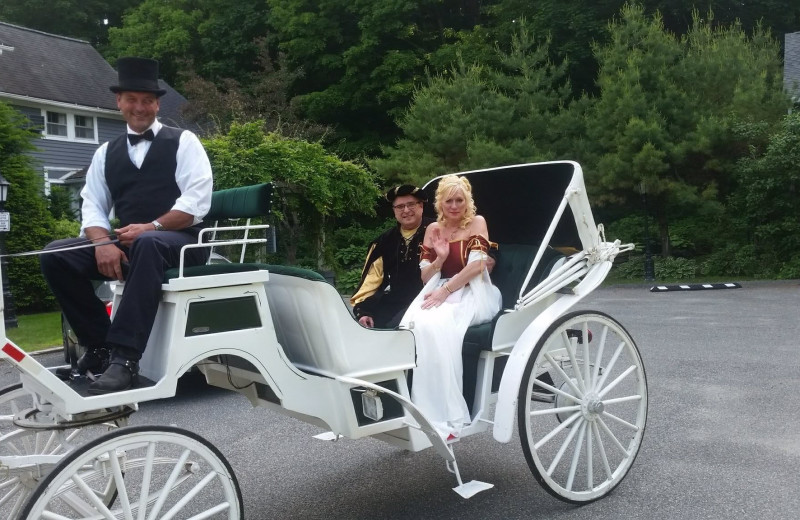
(5, 221)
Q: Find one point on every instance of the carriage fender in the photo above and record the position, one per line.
(508, 393)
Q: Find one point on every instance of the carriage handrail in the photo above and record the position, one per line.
(572, 270)
(215, 243)
(545, 243)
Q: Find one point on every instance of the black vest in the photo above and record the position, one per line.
(143, 195)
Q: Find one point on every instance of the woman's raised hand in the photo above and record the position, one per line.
(440, 245)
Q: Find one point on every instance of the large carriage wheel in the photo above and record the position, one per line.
(582, 406)
(15, 443)
(171, 473)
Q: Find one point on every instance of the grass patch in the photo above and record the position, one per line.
(37, 331)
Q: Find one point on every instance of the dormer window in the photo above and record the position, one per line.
(70, 127)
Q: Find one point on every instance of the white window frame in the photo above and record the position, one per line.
(70, 126)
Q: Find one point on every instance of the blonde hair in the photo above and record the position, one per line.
(448, 186)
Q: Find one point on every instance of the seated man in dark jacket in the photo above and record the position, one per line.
(390, 279)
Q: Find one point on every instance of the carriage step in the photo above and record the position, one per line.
(81, 384)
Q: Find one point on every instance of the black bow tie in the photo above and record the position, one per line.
(135, 138)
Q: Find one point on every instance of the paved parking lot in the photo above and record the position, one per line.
(722, 439)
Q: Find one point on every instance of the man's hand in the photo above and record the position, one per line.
(131, 232)
(109, 261)
(490, 262)
(366, 321)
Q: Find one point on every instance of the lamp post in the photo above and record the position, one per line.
(649, 271)
(5, 226)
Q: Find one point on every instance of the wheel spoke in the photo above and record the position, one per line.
(564, 447)
(556, 430)
(93, 499)
(589, 460)
(626, 399)
(116, 472)
(586, 365)
(168, 486)
(576, 456)
(611, 365)
(555, 390)
(623, 422)
(603, 456)
(16, 487)
(613, 437)
(564, 375)
(189, 496)
(616, 381)
(147, 474)
(599, 359)
(548, 411)
(576, 368)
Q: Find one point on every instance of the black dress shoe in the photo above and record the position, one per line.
(95, 360)
(120, 375)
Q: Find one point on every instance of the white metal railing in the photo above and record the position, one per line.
(215, 243)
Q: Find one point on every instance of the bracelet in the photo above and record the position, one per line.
(446, 288)
(435, 268)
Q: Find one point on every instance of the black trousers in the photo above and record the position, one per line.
(70, 273)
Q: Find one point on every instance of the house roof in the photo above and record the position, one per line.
(49, 67)
(56, 68)
(791, 64)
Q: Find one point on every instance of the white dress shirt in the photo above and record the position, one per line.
(192, 174)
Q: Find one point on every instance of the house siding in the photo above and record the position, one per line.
(791, 65)
(65, 155)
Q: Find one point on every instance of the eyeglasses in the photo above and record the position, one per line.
(407, 205)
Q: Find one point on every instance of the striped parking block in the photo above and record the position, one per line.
(695, 287)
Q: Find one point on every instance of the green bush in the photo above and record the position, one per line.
(675, 268)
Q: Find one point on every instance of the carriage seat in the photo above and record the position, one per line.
(234, 203)
(314, 326)
(508, 274)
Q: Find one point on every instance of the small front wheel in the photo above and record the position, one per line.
(582, 406)
(165, 471)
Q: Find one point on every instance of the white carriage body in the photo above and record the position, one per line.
(287, 341)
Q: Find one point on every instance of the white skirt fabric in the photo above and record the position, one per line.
(439, 333)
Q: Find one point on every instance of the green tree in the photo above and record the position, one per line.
(84, 19)
(665, 116)
(476, 116)
(31, 224)
(315, 188)
(215, 38)
(767, 201)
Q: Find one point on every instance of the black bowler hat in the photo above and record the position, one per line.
(405, 189)
(138, 75)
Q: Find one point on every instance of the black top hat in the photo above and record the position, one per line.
(138, 75)
(405, 189)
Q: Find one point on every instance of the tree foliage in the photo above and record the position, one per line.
(476, 116)
(84, 19)
(664, 120)
(215, 38)
(315, 188)
(31, 224)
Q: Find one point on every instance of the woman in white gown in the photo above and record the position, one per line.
(457, 293)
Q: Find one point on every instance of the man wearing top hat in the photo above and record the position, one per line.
(158, 181)
(391, 279)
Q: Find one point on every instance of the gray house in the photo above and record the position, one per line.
(791, 65)
(61, 85)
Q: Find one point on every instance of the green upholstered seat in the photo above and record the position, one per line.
(244, 202)
(512, 266)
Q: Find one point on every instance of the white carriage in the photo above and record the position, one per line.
(573, 381)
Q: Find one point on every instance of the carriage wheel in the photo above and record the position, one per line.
(171, 473)
(17, 484)
(581, 443)
(12, 399)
